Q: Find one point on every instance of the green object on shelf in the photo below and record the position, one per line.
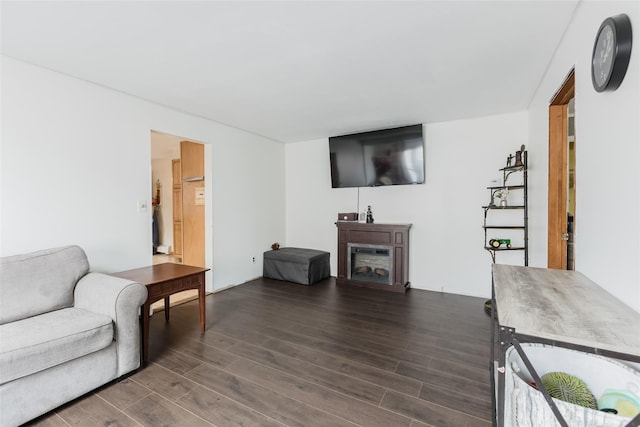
(569, 389)
(496, 243)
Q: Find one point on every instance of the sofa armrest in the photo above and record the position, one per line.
(121, 300)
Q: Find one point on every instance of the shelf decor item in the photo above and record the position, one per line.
(501, 194)
(519, 156)
(496, 243)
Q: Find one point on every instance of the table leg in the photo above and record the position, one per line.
(201, 296)
(145, 331)
(166, 309)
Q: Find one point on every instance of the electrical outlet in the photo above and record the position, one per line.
(253, 259)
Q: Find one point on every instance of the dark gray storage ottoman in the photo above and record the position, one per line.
(298, 265)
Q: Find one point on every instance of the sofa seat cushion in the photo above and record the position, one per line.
(40, 342)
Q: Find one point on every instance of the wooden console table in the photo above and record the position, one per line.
(163, 280)
(395, 237)
(559, 308)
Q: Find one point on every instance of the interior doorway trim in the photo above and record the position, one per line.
(558, 175)
(167, 147)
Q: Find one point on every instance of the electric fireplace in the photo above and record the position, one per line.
(370, 263)
(373, 255)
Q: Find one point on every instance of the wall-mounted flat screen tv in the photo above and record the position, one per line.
(382, 157)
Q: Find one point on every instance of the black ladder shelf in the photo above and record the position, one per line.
(520, 165)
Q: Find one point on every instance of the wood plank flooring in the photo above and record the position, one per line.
(281, 354)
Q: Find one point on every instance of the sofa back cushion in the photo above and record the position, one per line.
(39, 282)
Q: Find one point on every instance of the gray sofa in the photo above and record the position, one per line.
(64, 331)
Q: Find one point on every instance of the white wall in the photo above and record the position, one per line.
(76, 159)
(446, 238)
(607, 154)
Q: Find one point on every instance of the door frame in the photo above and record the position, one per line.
(558, 174)
(161, 140)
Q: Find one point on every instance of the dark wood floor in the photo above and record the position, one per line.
(276, 353)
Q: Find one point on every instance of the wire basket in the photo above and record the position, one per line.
(525, 406)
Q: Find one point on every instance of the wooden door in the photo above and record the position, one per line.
(557, 235)
(192, 172)
(557, 230)
(177, 208)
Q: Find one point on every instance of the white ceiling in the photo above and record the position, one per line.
(300, 70)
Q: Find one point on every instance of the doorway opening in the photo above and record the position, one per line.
(178, 199)
(562, 177)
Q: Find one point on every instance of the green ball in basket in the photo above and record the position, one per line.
(569, 389)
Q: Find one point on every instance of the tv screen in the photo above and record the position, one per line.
(382, 157)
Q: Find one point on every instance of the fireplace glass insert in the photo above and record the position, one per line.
(370, 263)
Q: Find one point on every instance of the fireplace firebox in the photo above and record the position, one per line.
(370, 263)
(373, 255)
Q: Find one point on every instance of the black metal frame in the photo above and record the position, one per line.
(506, 172)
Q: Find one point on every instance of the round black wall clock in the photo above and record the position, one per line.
(611, 53)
